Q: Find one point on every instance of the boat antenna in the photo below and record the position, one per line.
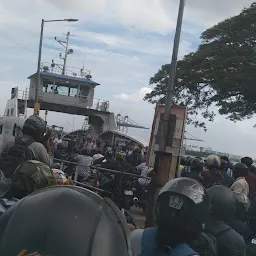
(82, 69)
(67, 51)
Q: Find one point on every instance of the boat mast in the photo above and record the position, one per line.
(67, 51)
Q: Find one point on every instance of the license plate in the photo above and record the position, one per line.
(128, 193)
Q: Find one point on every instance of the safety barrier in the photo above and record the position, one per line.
(119, 185)
(76, 100)
(99, 169)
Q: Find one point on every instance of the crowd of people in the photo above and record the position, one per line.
(208, 210)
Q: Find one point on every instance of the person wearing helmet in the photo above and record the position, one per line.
(123, 164)
(135, 158)
(97, 154)
(109, 161)
(240, 185)
(106, 179)
(251, 177)
(238, 223)
(196, 167)
(182, 208)
(84, 162)
(33, 145)
(64, 220)
(33, 135)
(212, 176)
(224, 167)
(130, 148)
(223, 207)
(60, 152)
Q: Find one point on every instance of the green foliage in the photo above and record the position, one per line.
(221, 73)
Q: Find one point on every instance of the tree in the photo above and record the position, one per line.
(221, 73)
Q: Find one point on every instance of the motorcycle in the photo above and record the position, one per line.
(134, 195)
(140, 199)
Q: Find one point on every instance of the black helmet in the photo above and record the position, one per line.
(182, 205)
(64, 220)
(222, 202)
(196, 165)
(247, 161)
(137, 151)
(35, 127)
(183, 161)
(240, 170)
(242, 205)
(109, 153)
(224, 165)
(61, 146)
(86, 152)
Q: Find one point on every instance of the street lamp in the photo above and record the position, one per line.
(36, 106)
(172, 76)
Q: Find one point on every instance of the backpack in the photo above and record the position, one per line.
(30, 176)
(205, 245)
(208, 242)
(15, 156)
(149, 247)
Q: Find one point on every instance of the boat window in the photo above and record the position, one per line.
(60, 88)
(8, 112)
(1, 129)
(84, 91)
(12, 111)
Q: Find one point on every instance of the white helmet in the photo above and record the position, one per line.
(213, 161)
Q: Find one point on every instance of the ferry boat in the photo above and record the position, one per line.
(65, 90)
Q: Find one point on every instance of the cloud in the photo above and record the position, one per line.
(136, 96)
(158, 16)
(123, 43)
(207, 13)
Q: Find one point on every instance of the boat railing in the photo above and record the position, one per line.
(69, 71)
(23, 94)
(98, 104)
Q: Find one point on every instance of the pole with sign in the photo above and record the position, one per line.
(163, 131)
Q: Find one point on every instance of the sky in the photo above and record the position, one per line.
(123, 43)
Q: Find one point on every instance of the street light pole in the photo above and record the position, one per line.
(39, 62)
(163, 159)
(172, 75)
(36, 105)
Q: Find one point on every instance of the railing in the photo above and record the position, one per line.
(23, 95)
(100, 169)
(98, 104)
(69, 71)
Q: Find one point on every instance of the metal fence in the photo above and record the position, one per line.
(100, 169)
